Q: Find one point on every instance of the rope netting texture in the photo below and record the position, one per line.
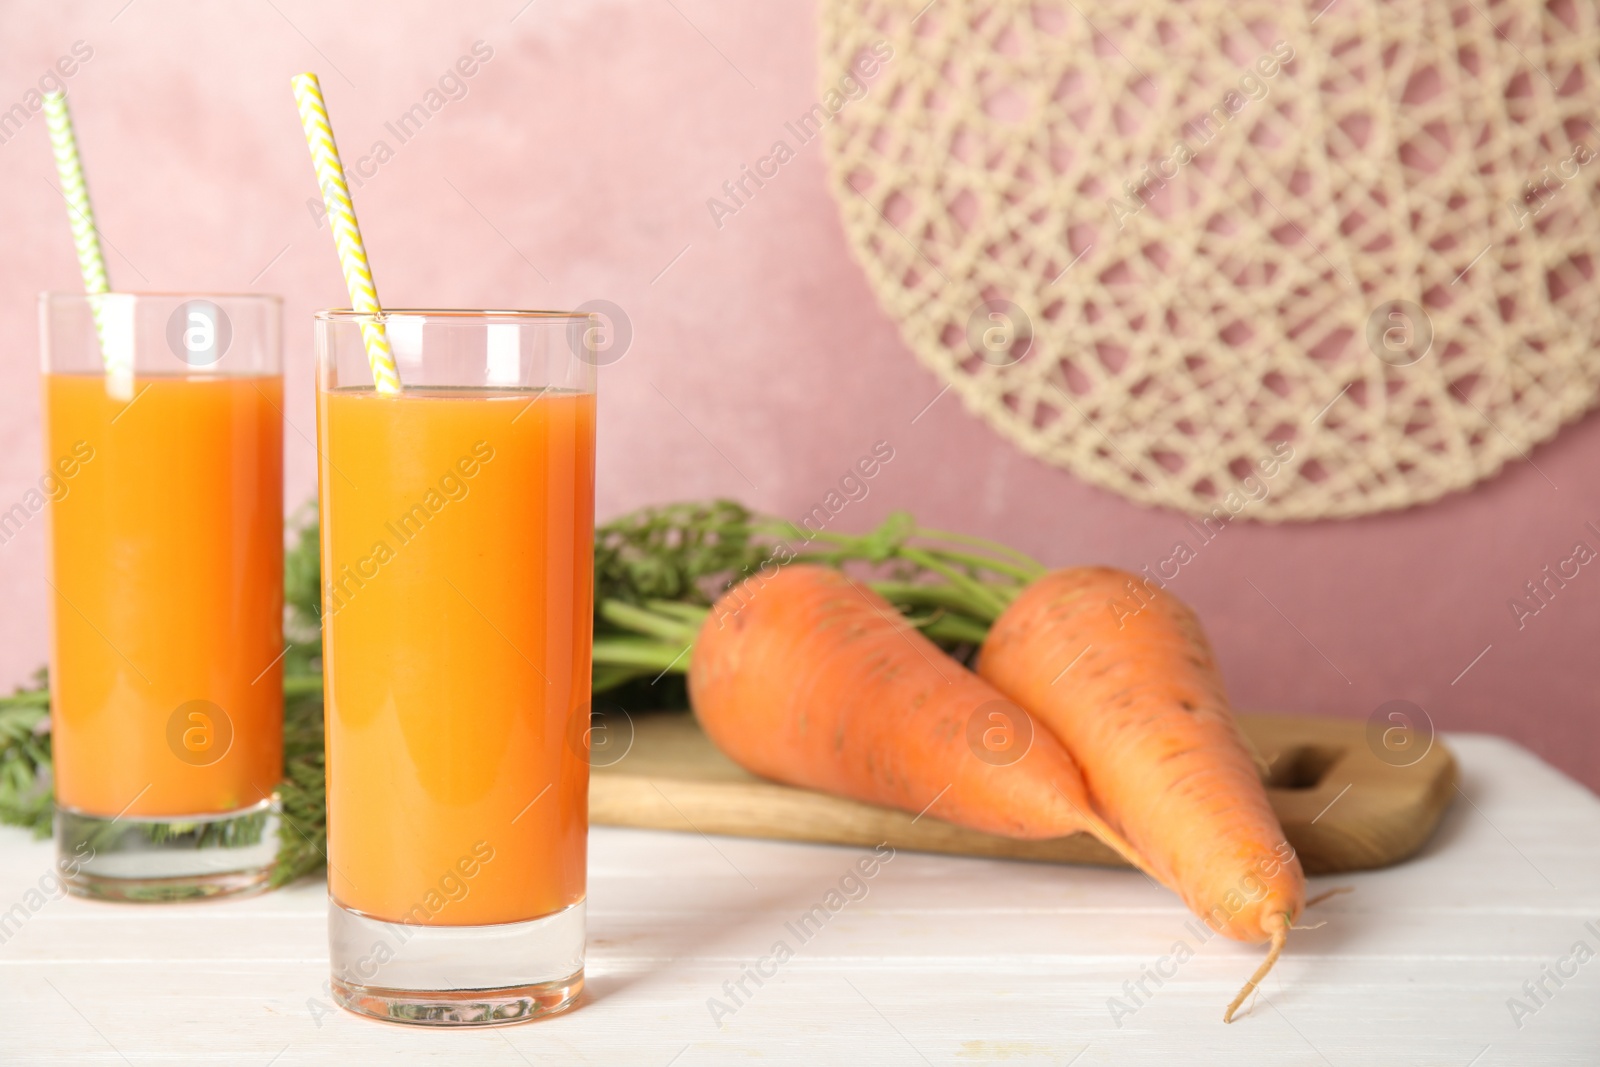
(1293, 262)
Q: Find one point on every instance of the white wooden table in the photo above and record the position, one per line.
(944, 961)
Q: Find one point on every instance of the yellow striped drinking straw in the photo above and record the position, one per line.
(346, 234)
(116, 350)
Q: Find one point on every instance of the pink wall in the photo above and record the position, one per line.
(583, 153)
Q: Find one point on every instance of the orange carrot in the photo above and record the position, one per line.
(1122, 674)
(812, 679)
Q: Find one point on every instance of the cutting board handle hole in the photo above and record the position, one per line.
(1302, 767)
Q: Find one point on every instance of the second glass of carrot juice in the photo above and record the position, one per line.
(457, 566)
(164, 437)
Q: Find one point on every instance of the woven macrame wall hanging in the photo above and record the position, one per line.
(1329, 259)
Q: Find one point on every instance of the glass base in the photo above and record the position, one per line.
(456, 975)
(144, 859)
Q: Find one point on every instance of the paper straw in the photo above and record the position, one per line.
(346, 234)
(117, 357)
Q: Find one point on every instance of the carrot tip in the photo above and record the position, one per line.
(1280, 936)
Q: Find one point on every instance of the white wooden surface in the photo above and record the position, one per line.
(945, 961)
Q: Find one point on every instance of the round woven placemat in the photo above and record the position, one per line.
(1320, 262)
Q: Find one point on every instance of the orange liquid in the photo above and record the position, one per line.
(166, 561)
(457, 554)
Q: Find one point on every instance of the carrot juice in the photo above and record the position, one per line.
(457, 560)
(166, 568)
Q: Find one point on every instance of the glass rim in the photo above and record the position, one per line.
(462, 314)
(58, 296)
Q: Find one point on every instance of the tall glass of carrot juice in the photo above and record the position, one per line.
(163, 444)
(457, 565)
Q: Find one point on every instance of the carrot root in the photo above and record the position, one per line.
(1136, 698)
(1320, 897)
(1123, 847)
(1094, 824)
(817, 681)
(1280, 937)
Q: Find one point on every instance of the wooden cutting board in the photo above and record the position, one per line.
(1343, 807)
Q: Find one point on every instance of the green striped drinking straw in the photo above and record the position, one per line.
(112, 319)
